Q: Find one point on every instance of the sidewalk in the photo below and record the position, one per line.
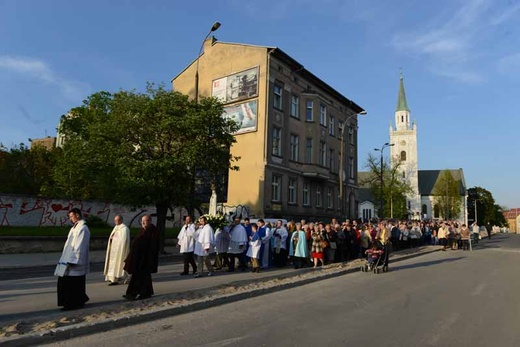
(38, 321)
(31, 260)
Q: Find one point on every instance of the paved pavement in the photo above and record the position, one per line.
(169, 286)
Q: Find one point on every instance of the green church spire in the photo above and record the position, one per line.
(401, 99)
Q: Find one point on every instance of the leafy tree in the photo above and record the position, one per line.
(27, 171)
(395, 189)
(142, 148)
(487, 211)
(447, 196)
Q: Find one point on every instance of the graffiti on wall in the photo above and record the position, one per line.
(16, 210)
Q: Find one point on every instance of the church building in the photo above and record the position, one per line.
(420, 203)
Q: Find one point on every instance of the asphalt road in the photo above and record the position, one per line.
(451, 298)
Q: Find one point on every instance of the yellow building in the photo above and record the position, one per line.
(290, 138)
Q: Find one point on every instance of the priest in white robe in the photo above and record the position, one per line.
(204, 247)
(237, 245)
(74, 264)
(117, 251)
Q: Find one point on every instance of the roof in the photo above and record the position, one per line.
(402, 105)
(278, 53)
(365, 194)
(428, 179)
(512, 213)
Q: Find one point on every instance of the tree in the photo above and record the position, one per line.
(447, 195)
(395, 189)
(140, 148)
(27, 171)
(487, 211)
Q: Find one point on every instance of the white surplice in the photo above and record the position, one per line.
(117, 251)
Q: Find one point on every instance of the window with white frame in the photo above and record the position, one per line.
(331, 126)
(295, 147)
(330, 198)
(277, 97)
(340, 128)
(323, 115)
(351, 167)
(295, 106)
(319, 198)
(351, 135)
(306, 193)
(332, 156)
(277, 141)
(308, 150)
(293, 186)
(309, 111)
(323, 153)
(367, 214)
(277, 182)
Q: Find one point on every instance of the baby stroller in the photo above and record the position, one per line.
(377, 259)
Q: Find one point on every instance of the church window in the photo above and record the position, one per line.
(424, 210)
(403, 156)
(404, 174)
(402, 119)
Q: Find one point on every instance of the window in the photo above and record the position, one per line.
(351, 135)
(293, 185)
(308, 150)
(318, 197)
(409, 203)
(277, 98)
(276, 187)
(404, 174)
(331, 160)
(351, 167)
(323, 115)
(367, 214)
(403, 156)
(295, 106)
(424, 210)
(323, 153)
(277, 140)
(330, 200)
(306, 194)
(331, 126)
(309, 111)
(295, 147)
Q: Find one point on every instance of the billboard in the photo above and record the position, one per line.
(244, 114)
(239, 86)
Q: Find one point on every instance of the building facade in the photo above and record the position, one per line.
(297, 140)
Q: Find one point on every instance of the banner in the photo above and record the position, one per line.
(244, 114)
(236, 87)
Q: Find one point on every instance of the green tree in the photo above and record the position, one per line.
(395, 189)
(447, 195)
(141, 148)
(486, 209)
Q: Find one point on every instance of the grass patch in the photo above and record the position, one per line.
(64, 231)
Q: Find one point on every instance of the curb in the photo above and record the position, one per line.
(81, 329)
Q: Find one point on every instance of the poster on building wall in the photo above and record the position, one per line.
(236, 87)
(244, 114)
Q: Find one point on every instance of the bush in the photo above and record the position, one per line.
(96, 222)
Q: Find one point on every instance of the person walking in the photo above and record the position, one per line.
(74, 264)
(142, 261)
(117, 251)
(186, 243)
(204, 244)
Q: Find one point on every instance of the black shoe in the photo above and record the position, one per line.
(129, 297)
(113, 283)
(142, 297)
(230, 270)
(184, 273)
(71, 308)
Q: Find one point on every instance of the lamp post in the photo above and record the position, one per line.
(382, 181)
(214, 27)
(342, 172)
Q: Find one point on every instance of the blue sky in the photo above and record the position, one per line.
(461, 63)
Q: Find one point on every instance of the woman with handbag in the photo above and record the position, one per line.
(317, 247)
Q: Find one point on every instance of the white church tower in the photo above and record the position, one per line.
(404, 150)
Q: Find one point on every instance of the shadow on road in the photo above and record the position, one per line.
(424, 263)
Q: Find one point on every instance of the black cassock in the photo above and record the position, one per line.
(141, 262)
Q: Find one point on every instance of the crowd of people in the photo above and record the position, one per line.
(242, 245)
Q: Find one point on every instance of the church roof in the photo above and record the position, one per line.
(428, 178)
(402, 105)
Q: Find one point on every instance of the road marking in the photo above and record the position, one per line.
(225, 342)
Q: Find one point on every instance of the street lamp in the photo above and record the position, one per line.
(214, 27)
(381, 173)
(342, 172)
